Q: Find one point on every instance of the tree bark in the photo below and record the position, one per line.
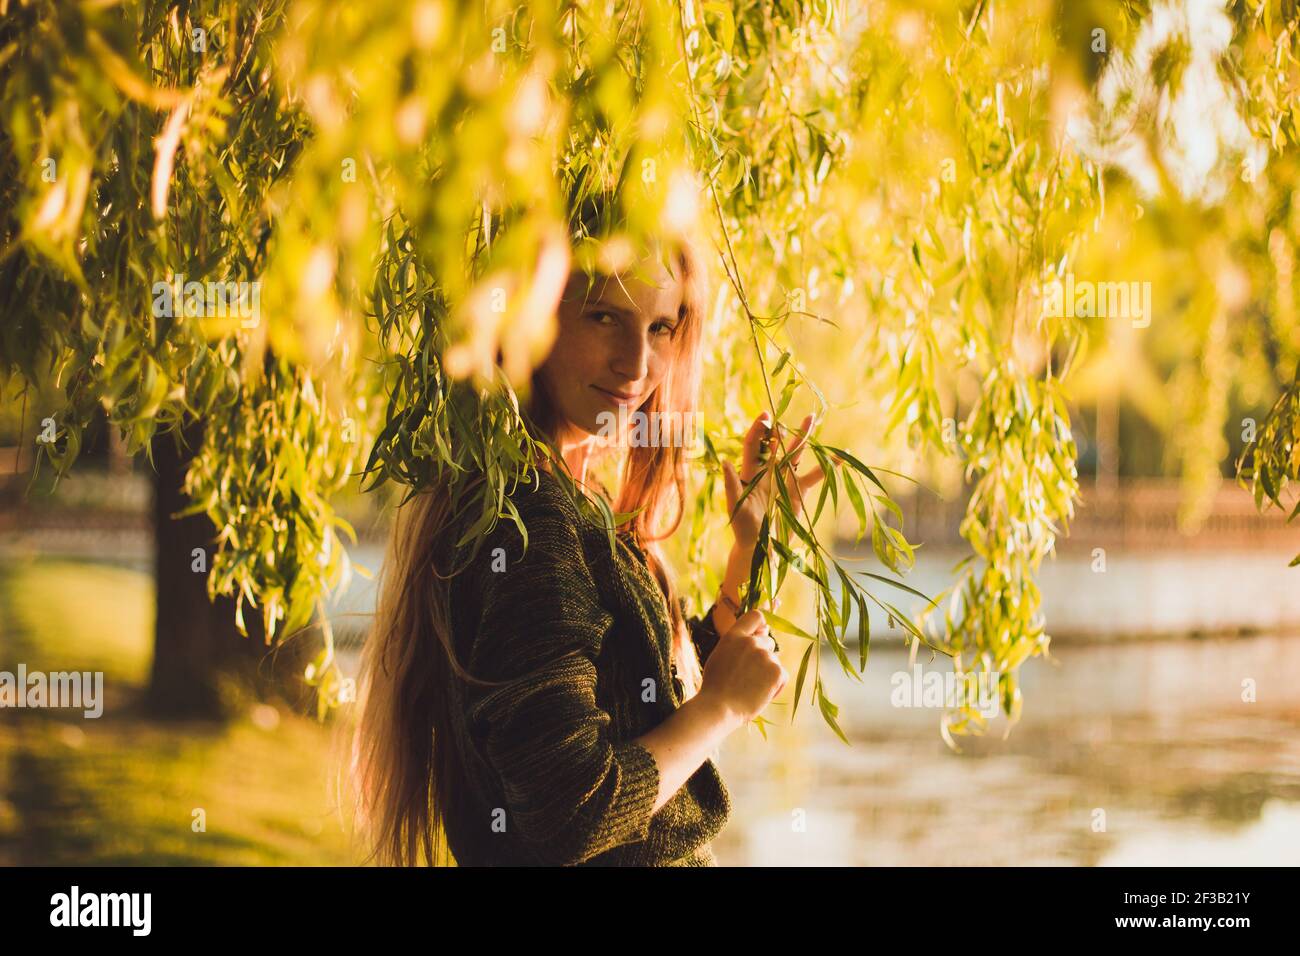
(202, 665)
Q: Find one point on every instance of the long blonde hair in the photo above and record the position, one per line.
(404, 761)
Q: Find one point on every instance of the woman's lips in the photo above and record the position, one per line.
(621, 397)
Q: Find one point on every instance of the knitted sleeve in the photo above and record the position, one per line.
(571, 791)
(703, 633)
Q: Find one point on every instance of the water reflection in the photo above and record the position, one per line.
(1155, 735)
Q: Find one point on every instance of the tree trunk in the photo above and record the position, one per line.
(202, 665)
(1108, 446)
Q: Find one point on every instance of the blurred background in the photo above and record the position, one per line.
(1140, 710)
(897, 185)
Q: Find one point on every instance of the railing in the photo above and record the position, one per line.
(1139, 514)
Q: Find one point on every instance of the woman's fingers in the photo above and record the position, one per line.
(731, 484)
(793, 451)
(805, 483)
(751, 454)
(751, 622)
(810, 480)
(802, 443)
(754, 456)
(794, 483)
(762, 444)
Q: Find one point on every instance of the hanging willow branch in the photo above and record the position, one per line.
(888, 195)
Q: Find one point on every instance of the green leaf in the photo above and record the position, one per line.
(751, 597)
(857, 466)
(798, 683)
(786, 627)
(900, 585)
(829, 712)
(787, 393)
(864, 632)
(513, 513)
(855, 496)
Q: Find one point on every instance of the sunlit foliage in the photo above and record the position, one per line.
(892, 190)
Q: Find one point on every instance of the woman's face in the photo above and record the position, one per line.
(615, 345)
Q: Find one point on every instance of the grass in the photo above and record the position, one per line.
(122, 789)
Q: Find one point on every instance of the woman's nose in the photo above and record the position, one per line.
(632, 359)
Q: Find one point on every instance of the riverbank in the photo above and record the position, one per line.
(125, 790)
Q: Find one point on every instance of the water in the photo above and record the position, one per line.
(1126, 754)
(1154, 734)
(1132, 751)
(1124, 595)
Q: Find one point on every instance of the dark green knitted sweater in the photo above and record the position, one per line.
(550, 774)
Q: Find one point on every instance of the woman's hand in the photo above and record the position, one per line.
(763, 446)
(743, 673)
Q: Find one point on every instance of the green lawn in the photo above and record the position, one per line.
(124, 790)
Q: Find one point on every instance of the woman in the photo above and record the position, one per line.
(571, 721)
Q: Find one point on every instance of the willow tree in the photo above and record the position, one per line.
(890, 187)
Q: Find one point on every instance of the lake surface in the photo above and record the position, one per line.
(1154, 735)
(1130, 751)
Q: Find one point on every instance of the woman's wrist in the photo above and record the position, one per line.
(726, 606)
(741, 549)
(723, 617)
(732, 604)
(719, 719)
(738, 562)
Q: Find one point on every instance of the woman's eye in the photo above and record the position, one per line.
(602, 318)
(665, 328)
